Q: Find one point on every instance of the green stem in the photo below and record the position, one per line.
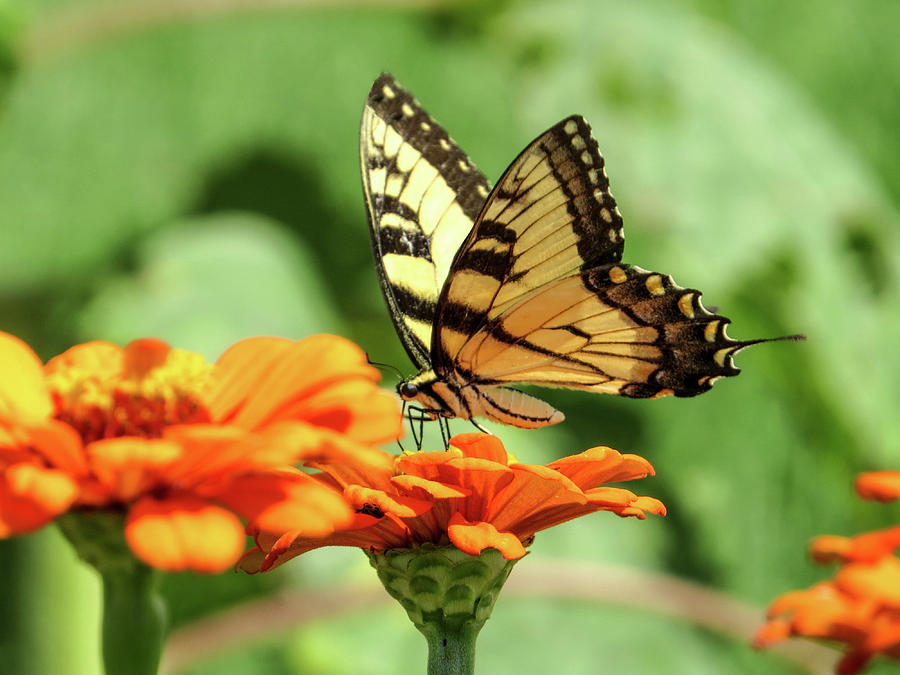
(451, 651)
(134, 620)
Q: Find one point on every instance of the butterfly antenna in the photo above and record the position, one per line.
(384, 366)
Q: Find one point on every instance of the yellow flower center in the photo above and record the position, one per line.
(152, 387)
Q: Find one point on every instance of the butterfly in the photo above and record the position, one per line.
(521, 283)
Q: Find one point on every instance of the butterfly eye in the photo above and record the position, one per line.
(408, 390)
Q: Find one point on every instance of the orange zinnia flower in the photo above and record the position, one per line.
(183, 448)
(860, 606)
(474, 497)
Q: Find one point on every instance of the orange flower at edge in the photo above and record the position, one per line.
(860, 606)
(185, 449)
(472, 496)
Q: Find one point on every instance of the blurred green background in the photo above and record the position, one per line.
(189, 170)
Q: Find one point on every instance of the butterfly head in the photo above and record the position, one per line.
(429, 392)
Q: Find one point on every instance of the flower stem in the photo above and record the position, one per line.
(134, 614)
(134, 621)
(451, 651)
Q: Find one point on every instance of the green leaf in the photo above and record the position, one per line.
(206, 282)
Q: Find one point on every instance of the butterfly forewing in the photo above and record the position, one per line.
(550, 215)
(423, 195)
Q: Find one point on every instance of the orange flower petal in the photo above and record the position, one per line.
(129, 466)
(473, 538)
(879, 582)
(600, 465)
(31, 496)
(184, 533)
(366, 499)
(100, 358)
(142, 356)
(649, 505)
(282, 501)
(772, 632)
(319, 447)
(611, 497)
(23, 395)
(432, 488)
(483, 446)
(60, 446)
(829, 548)
(881, 485)
(210, 450)
(868, 547)
(355, 407)
(256, 379)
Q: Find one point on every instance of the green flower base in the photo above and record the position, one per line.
(448, 595)
(134, 615)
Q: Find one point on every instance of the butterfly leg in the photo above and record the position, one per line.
(402, 415)
(444, 424)
(417, 424)
(479, 427)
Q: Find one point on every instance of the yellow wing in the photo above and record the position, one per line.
(423, 195)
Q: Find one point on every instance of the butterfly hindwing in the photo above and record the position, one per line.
(423, 195)
(550, 215)
(614, 329)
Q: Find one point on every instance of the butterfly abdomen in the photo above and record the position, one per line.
(442, 398)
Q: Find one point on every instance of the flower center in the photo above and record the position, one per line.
(151, 387)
